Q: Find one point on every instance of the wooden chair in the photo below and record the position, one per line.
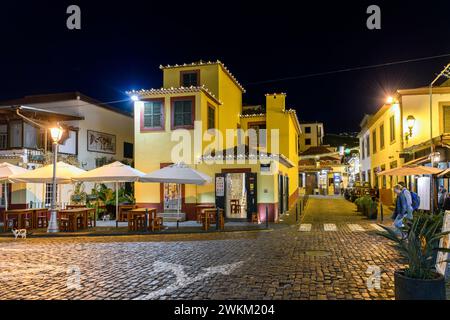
(27, 220)
(65, 223)
(255, 218)
(235, 206)
(158, 223)
(91, 218)
(12, 222)
(42, 218)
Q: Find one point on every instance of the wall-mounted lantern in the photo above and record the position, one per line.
(411, 121)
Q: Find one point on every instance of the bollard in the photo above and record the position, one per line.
(267, 217)
(217, 218)
(381, 212)
(146, 220)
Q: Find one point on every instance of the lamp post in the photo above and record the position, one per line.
(56, 134)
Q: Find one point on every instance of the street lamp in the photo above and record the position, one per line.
(56, 134)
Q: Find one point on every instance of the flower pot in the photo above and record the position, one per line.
(417, 289)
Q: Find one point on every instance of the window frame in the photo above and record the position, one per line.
(172, 112)
(163, 116)
(382, 137)
(208, 108)
(309, 129)
(310, 142)
(392, 129)
(374, 141)
(182, 73)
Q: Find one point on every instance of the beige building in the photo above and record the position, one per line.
(402, 132)
(311, 136)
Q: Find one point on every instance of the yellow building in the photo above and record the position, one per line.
(401, 133)
(195, 118)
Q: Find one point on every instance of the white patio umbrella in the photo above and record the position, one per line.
(114, 172)
(7, 170)
(179, 173)
(64, 174)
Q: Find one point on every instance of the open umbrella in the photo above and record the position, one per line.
(6, 171)
(64, 174)
(179, 173)
(114, 172)
(412, 170)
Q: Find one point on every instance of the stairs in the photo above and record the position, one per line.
(172, 216)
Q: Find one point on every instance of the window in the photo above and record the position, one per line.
(382, 137)
(307, 129)
(15, 137)
(362, 149)
(392, 128)
(307, 142)
(446, 119)
(367, 146)
(3, 136)
(260, 130)
(374, 142)
(152, 115)
(183, 112)
(128, 150)
(49, 194)
(190, 78)
(211, 117)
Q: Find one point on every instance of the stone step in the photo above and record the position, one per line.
(172, 216)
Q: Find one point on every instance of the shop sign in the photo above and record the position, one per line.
(220, 186)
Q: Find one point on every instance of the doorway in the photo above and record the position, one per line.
(236, 193)
(172, 197)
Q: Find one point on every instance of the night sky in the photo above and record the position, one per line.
(122, 43)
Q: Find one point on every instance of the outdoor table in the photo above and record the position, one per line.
(210, 214)
(140, 212)
(75, 206)
(123, 210)
(199, 208)
(21, 213)
(76, 212)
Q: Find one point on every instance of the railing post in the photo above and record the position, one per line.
(267, 217)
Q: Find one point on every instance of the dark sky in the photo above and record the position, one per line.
(122, 43)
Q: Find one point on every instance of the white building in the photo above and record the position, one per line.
(364, 145)
(96, 134)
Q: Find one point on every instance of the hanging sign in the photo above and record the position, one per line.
(220, 186)
(442, 257)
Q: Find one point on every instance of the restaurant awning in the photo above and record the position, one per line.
(410, 170)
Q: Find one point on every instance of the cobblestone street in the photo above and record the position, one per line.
(330, 256)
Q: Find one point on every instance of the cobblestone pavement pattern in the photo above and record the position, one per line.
(284, 263)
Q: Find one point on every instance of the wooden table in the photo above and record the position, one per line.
(137, 213)
(73, 214)
(75, 206)
(199, 208)
(21, 215)
(210, 214)
(123, 211)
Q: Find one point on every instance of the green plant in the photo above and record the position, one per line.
(420, 245)
(126, 196)
(78, 195)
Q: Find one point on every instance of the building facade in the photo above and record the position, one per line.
(403, 132)
(202, 102)
(94, 134)
(311, 136)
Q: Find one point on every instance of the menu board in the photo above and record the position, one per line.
(423, 190)
(442, 257)
(220, 186)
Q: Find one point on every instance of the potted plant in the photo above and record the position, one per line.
(419, 242)
(78, 195)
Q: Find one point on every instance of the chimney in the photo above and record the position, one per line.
(275, 101)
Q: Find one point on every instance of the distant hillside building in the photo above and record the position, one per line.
(311, 136)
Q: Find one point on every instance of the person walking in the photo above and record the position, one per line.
(442, 195)
(404, 206)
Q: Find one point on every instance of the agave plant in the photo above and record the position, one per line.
(420, 245)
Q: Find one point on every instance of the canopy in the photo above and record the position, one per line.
(178, 173)
(444, 174)
(64, 174)
(113, 172)
(410, 170)
(8, 169)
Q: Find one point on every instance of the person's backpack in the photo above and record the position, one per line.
(415, 200)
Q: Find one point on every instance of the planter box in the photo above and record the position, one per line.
(417, 289)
